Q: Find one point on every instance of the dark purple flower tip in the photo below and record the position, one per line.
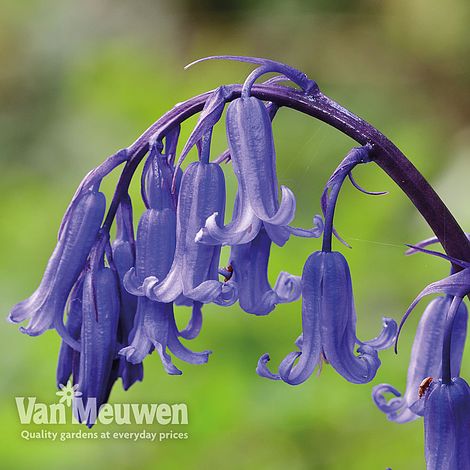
(100, 317)
(45, 308)
(329, 326)
(447, 425)
(268, 66)
(171, 143)
(194, 272)
(425, 359)
(158, 176)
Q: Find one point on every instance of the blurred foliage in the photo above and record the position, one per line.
(78, 80)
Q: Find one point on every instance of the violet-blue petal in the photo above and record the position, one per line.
(243, 227)
(262, 368)
(310, 355)
(386, 337)
(181, 351)
(329, 325)
(279, 234)
(46, 306)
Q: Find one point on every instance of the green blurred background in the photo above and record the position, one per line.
(79, 80)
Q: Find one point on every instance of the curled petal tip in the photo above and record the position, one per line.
(262, 368)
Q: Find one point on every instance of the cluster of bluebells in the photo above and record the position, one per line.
(119, 296)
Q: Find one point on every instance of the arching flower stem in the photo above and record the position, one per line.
(384, 153)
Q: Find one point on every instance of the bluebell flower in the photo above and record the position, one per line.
(329, 327)
(249, 264)
(426, 359)
(328, 312)
(45, 308)
(252, 153)
(251, 145)
(154, 325)
(194, 271)
(100, 318)
(123, 257)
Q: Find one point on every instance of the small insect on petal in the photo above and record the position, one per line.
(423, 386)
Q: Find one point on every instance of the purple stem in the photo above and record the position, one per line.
(384, 153)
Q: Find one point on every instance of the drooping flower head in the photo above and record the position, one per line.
(328, 312)
(329, 327)
(45, 308)
(100, 318)
(249, 265)
(194, 271)
(123, 256)
(253, 157)
(154, 325)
